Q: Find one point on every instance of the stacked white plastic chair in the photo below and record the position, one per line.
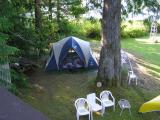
(107, 99)
(123, 57)
(95, 104)
(82, 108)
(131, 75)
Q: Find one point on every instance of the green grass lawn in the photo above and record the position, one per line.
(56, 92)
(145, 50)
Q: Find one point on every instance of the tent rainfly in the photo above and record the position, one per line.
(71, 53)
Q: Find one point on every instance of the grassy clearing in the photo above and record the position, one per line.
(54, 93)
(59, 91)
(147, 51)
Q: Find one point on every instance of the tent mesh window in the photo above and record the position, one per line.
(72, 60)
(5, 76)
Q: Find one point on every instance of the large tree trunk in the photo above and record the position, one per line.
(110, 60)
(38, 16)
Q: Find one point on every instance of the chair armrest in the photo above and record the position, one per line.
(113, 98)
(75, 106)
(99, 100)
(130, 72)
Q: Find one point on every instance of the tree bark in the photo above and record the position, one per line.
(50, 9)
(110, 59)
(58, 15)
(38, 16)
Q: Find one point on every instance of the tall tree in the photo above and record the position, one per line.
(50, 9)
(63, 10)
(58, 13)
(38, 16)
(110, 60)
(6, 13)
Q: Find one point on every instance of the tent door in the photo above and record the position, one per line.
(71, 61)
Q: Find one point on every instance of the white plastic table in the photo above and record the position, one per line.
(124, 104)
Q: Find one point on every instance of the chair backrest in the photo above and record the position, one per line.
(131, 72)
(104, 95)
(81, 102)
(91, 98)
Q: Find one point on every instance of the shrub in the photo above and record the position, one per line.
(19, 80)
(134, 33)
(134, 29)
(92, 29)
(13, 89)
(86, 28)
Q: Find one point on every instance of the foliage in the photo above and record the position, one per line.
(92, 29)
(81, 28)
(19, 80)
(145, 51)
(14, 89)
(5, 50)
(134, 29)
(61, 92)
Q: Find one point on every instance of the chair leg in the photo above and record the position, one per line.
(114, 107)
(129, 81)
(136, 81)
(129, 111)
(103, 110)
(121, 112)
(89, 116)
(77, 117)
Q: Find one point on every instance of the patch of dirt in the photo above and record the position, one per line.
(145, 79)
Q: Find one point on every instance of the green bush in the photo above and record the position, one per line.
(134, 29)
(134, 33)
(19, 80)
(13, 89)
(86, 28)
(92, 29)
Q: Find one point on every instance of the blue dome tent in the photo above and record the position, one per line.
(70, 53)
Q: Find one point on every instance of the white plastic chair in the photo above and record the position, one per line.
(95, 104)
(132, 77)
(82, 108)
(107, 99)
